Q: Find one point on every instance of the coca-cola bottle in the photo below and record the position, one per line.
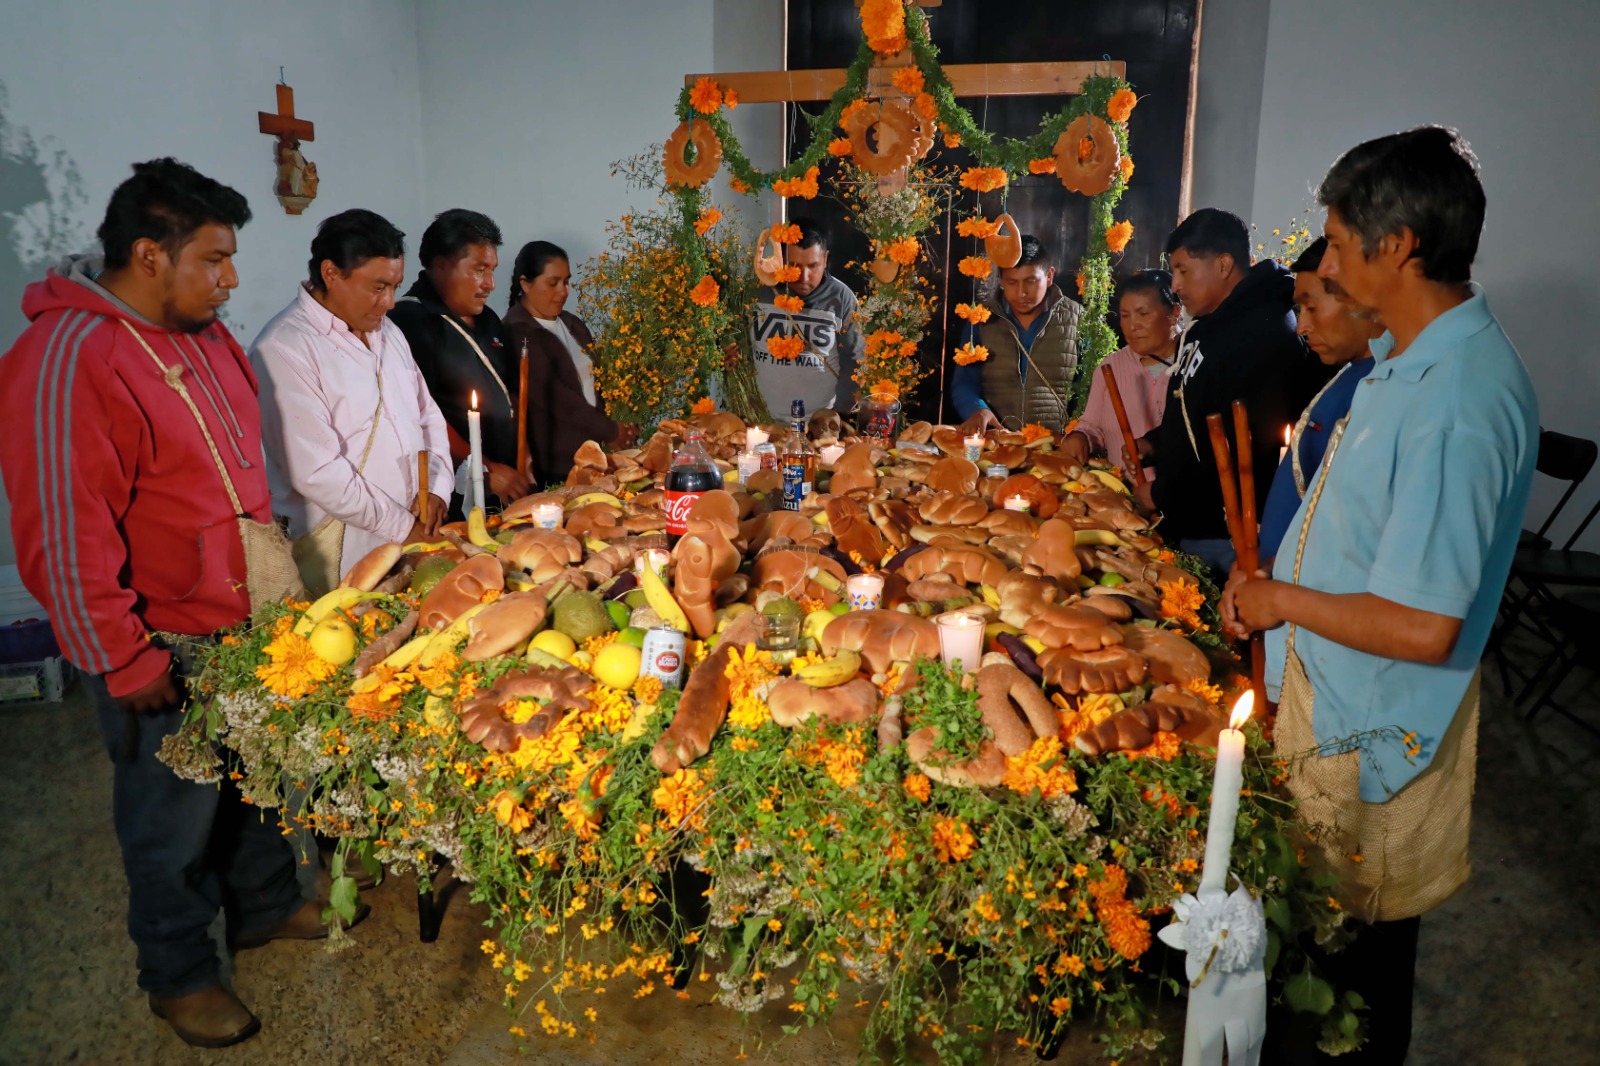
(692, 473)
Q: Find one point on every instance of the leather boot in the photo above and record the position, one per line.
(304, 924)
(210, 1018)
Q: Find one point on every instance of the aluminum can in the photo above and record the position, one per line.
(663, 655)
(769, 455)
(996, 470)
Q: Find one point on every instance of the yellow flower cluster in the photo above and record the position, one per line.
(952, 840)
(909, 80)
(293, 669)
(1041, 768)
(887, 343)
(681, 797)
(748, 669)
(803, 187)
(970, 353)
(918, 787)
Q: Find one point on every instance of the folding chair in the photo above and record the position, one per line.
(1574, 618)
(1563, 458)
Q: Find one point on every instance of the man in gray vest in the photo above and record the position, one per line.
(1031, 337)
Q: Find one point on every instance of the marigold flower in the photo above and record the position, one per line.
(294, 670)
(738, 186)
(709, 216)
(730, 99)
(1126, 932)
(791, 304)
(1047, 165)
(786, 234)
(839, 147)
(1127, 168)
(705, 405)
(909, 80)
(977, 314)
(1180, 601)
(970, 353)
(978, 227)
(1080, 283)
(904, 251)
(705, 293)
(918, 787)
(1060, 1005)
(848, 111)
(976, 266)
(884, 24)
(952, 140)
(952, 840)
(803, 187)
(788, 274)
(1118, 235)
(1121, 105)
(884, 387)
(785, 347)
(706, 96)
(926, 106)
(983, 179)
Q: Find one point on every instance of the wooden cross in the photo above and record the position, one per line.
(284, 124)
(967, 79)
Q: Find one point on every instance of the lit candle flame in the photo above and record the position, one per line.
(474, 399)
(1288, 434)
(1242, 709)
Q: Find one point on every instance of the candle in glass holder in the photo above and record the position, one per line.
(1017, 503)
(864, 592)
(974, 446)
(754, 436)
(1225, 788)
(749, 465)
(960, 640)
(830, 454)
(654, 558)
(548, 515)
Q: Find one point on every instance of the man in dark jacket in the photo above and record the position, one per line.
(1242, 346)
(460, 345)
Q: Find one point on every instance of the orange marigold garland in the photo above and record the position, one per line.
(705, 293)
(788, 274)
(786, 347)
(1127, 168)
(1047, 165)
(730, 99)
(978, 227)
(786, 234)
(804, 187)
(977, 314)
(706, 96)
(839, 147)
(884, 24)
(1121, 105)
(791, 304)
(705, 405)
(976, 266)
(709, 216)
(904, 251)
(909, 80)
(1118, 235)
(971, 353)
(983, 179)
(1128, 934)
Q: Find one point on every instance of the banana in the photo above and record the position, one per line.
(661, 601)
(1092, 537)
(642, 713)
(835, 670)
(820, 520)
(1110, 481)
(424, 546)
(995, 629)
(450, 637)
(990, 595)
(340, 599)
(540, 657)
(1034, 644)
(519, 583)
(399, 659)
(437, 713)
(594, 497)
(595, 544)
(478, 531)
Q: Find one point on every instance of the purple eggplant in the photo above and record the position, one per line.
(1020, 654)
(849, 564)
(899, 558)
(621, 585)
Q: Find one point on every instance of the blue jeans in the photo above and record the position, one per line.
(187, 849)
(1216, 553)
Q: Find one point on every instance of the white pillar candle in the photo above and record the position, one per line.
(1017, 503)
(1225, 788)
(475, 439)
(974, 446)
(960, 640)
(864, 592)
(753, 436)
(1288, 432)
(830, 454)
(548, 515)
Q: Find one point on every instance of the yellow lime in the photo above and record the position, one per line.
(617, 665)
(334, 641)
(555, 642)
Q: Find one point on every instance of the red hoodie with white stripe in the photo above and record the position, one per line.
(119, 517)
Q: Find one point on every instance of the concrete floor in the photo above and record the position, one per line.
(1509, 971)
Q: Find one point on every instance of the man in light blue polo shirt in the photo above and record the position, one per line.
(1386, 584)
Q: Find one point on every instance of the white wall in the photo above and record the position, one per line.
(107, 84)
(1519, 81)
(1233, 56)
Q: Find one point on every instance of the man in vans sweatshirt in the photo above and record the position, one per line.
(1242, 346)
(820, 309)
(125, 533)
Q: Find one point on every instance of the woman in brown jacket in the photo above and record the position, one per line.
(563, 407)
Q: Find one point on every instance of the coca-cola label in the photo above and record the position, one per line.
(678, 506)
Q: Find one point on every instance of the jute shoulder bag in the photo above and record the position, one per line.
(319, 554)
(270, 571)
(1396, 859)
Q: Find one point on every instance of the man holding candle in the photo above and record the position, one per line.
(459, 343)
(1381, 602)
(344, 409)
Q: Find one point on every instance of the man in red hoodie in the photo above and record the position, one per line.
(124, 531)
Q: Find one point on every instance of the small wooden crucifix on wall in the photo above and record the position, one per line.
(297, 180)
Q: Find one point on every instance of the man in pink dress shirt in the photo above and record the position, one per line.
(322, 363)
(1148, 313)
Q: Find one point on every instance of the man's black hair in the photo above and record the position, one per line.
(1157, 283)
(1034, 254)
(531, 261)
(1311, 258)
(1424, 180)
(452, 232)
(1212, 231)
(349, 239)
(812, 234)
(166, 201)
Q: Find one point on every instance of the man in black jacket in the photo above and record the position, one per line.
(1242, 346)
